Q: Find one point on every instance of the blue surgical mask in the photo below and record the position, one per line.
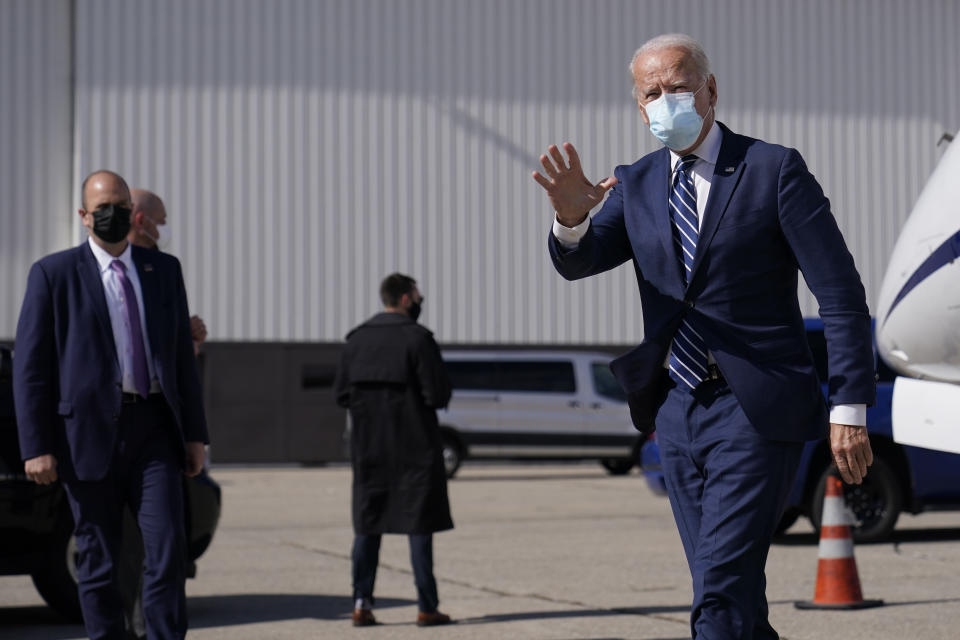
(674, 119)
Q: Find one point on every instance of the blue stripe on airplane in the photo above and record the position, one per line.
(943, 255)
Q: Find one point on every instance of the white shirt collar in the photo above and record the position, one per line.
(709, 149)
(104, 259)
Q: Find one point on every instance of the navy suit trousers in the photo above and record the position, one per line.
(146, 475)
(728, 486)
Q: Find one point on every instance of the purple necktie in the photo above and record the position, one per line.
(141, 375)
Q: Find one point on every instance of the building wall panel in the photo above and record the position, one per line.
(306, 148)
(35, 139)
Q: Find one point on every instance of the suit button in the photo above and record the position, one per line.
(689, 304)
(116, 417)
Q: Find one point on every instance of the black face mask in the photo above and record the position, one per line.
(415, 309)
(111, 223)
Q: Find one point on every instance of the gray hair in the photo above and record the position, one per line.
(697, 55)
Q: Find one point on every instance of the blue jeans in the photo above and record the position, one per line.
(366, 556)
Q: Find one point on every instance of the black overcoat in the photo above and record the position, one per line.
(392, 380)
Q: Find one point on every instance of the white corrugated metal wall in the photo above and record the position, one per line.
(306, 148)
(35, 108)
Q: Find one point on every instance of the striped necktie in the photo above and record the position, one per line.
(688, 356)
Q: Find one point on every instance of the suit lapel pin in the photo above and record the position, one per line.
(730, 169)
(148, 267)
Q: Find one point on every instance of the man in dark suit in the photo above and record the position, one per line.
(717, 226)
(108, 402)
(149, 229)
(392, 379)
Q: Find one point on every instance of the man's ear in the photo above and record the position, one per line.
(643, 113)
(137, 219)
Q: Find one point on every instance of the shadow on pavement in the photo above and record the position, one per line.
(906, 603)
(795, 539)
(574, 613)
(943, 534)
(43, 623)
(523, 477)
(251, 608)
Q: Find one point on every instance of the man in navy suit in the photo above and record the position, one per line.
(717, 226)
(108, 401)
(149, 229)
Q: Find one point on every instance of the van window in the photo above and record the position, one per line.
(473, 375)
(546, 376)
(605, 384)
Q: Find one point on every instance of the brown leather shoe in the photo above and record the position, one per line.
(432, 619)
(363, 618)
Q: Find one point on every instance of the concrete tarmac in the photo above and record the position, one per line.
(560, 551)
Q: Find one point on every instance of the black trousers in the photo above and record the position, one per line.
(366, 556)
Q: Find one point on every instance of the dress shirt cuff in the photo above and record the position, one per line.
(569, 237)
(851, 414)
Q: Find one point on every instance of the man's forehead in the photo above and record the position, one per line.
(112, 194)
(104, 181)
(664, 62)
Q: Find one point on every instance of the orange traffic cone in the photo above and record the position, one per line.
(838, 585)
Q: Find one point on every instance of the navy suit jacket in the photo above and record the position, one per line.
(766, 218)
(67, 377)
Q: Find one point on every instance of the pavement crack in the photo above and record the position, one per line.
(587, 607)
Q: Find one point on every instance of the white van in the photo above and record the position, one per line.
(536, 404)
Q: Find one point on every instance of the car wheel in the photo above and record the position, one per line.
(56, 579)
(452, 454)
(618, 466)
(876, 503)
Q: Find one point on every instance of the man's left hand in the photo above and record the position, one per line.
(851, 451)
(195, 458)
(198, 330)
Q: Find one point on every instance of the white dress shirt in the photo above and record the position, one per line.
(703, 169)
(113, 291)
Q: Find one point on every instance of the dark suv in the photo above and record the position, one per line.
(36, 525)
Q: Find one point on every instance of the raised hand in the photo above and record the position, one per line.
(570, 193)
